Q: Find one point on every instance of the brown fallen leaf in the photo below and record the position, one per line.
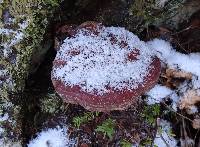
(173, 78)
(196, 123)
(191, 97)
(178, 74)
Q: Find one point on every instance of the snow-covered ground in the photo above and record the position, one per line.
(187, 64)
(185, 95)
(53, 137)
(164, 138)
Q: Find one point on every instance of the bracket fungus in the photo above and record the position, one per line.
(103, 68)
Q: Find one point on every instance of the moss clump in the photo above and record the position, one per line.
(51, 104)
(150, 113)
(146, 12)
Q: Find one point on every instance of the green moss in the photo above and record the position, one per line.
(88, 116)
(37, 16)
(37, 13)
(146, 13)
(51, 104)
(125, 143)
(147, 142)
(107, 128)
(150, 113)
(143, 9)
(34, 33)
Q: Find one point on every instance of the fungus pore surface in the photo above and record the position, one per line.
(103, 68)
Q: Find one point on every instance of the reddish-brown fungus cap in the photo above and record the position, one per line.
(104, 68)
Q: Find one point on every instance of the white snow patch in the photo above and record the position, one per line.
(161, 3)
(175, 98)
(56, 137)
(187, 142)
(3, 72)
(164, 138)
(192, 110)
(184, 87)
(18, 37)
(188, 63)
(158, 93)
(24, 24)
(101, 63)
(6, 31)
(163, 48)
(3, 118)
(196, 82)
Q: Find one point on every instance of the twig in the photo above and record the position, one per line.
(183, 30)
(177, 112)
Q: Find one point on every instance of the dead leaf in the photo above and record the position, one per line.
(191, 97)
(196, 123)
(178, 74)
(173, 77)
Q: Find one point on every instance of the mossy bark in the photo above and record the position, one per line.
(23, 25)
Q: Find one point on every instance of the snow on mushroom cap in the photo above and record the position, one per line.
(114, 57)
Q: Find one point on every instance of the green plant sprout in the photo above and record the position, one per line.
(78, 120)
(150, 113)
(107, 128)
(125, 143)
(169, 131)
(146, 142)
